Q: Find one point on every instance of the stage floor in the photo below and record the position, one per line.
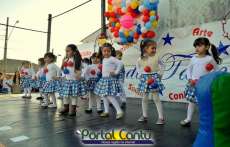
(45, 128)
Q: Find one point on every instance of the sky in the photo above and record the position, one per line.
(68, 28)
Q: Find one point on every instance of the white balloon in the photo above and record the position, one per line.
(143, 30)
(141, 8)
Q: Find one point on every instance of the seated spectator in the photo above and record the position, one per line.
(7, 84)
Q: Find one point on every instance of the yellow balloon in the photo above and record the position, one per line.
(134, 4)
(152, 13)
(155, 24)
(110, 8)
(118, 25)
(126, 33)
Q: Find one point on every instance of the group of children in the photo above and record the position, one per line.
(104, 78)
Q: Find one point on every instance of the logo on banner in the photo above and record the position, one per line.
(115, 136)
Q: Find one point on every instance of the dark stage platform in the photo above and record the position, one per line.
(45, 128)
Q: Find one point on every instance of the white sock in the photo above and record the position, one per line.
(115, 103)
(106, 105)
(158, 104)
(98, 101)
(74, 100)
(123, 95)
(145, 100)
(66, 100)
(25, 91)
(53, 97)
(29, 91)
(46, 99)
(191, 108)
(91, 96)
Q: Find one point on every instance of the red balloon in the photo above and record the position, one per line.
(209, 67)
(107, 14)
(151, 34)
(143, 35)
(130, 9)
(110, 2)
(116, 29)
(112, 14)
(146, 12)
(136, 36)
(146, 19)
(112, 29)
(116, 34)
(150, 81)
(147, 69)
(157, 17)
(119, 11)
(93, 72)
(133, 14)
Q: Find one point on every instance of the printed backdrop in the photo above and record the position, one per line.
(182, 21)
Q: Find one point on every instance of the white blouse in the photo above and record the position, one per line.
(197, 67)
(53, 71)
(110, 64)
(27, 72)
(72, 74)
(155, 64)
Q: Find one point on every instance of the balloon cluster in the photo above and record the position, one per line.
(131, 20)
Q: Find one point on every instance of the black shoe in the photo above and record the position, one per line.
(99, 111)
(185, 124)
(88, 111)
(29, 97)
(39, 98)
(123, 105)
(24, 96)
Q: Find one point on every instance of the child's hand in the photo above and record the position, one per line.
(193, 82)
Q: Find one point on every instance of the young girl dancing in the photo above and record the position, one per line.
(205, 61)
(40, 78)
(27, 75)
(121, 79)
(73, 85)
(52, 72)
(92, 75)
(150, 69)
(108, 86)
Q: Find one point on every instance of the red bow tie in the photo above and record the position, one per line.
(46, 70)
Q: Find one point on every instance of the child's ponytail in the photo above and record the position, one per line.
(215, 54)
(76, 56)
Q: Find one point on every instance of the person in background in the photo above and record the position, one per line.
(40, 78)
(92, 75)
(1, 80)
(205, 61)
(27, 75)
(51, 86)
(7, 83)
(150, 68)
(121, 79)
(108, 87)
(16, 83)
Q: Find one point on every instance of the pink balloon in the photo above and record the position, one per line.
(127, 21)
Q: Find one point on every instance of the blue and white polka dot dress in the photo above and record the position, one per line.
(156, 86)
(51, 86)
(91, 83)
(73, 88)
(26, 82)
(108, 86)
(190, 93)
(121, 75)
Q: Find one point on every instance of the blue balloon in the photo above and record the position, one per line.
(148, 25)
(121, 34)
(131, 33)
(66, 71)
(130, 39)
(123, 40)
(152, 18)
